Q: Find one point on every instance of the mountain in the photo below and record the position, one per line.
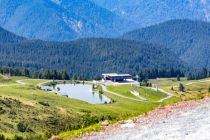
(8, 37)
(189, 40)
(150, 12)
(64, 20)
(88, 57)
(60, 20)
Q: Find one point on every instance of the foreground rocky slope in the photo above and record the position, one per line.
(184, 121)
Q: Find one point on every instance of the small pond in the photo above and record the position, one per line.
(79, 91)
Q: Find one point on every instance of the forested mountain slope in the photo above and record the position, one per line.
(8, 37)
(60, 20)
(188, 39)
(89, 57)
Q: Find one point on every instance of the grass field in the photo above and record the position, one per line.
(194, 89)
(144, 92)
(29, 112)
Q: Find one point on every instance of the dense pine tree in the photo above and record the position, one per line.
(181, 87)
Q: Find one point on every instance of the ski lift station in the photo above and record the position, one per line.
(114, 77)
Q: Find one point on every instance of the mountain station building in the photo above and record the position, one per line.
(116, 77)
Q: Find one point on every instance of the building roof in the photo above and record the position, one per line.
(115, 74)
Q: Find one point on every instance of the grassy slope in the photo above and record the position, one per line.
(21, 104)
(144, 92)
(4, 79)
(196, 90)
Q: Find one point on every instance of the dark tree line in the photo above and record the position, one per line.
(154, 73)
(143, 76)
(42, 74)
(15, 71)
(53, 74)
(204, 73)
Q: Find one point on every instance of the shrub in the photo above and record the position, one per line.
(47, 134)
(87, 120)
(44, 103)
(2, 137)
(23, 127)
(32, 136)
(100, 89)
(2, 111)
(18, 137)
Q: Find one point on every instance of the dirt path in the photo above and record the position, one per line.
(141, 99)
(183, 121)
(23, 82)
(169, 95)
(119, 95)
(135, 93)
(200, 81)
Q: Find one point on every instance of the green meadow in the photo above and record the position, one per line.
(31, 113)
(146, 93)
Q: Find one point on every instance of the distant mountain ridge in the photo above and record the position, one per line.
(189, 40)
(65, 20)
(150, 12)
(60, 20)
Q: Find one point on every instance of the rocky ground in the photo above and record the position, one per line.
(182, 121)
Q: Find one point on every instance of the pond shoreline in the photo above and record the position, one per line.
(152, 117)
(80, 91)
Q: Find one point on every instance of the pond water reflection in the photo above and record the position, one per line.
(79, 91)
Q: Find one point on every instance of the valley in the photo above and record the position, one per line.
(104, 69)
(36, 110)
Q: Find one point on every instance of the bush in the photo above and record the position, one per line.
(2, 111)
(2, 137)
(22, 127)
(18, 137)
(47, 134)
(44, 103)
(100, 89)
(35, 137)
(87, 120)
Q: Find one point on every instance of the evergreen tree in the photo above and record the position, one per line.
(54, 74)
(190, 77)
(35, 75)
(27, 73)
(46, 74)
(181, 87)
(204, 73)
(178, 77)
(64, 75)
(74, 77)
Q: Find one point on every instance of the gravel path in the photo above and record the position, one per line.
(184, 121)
(141, 99)
(119, 95)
